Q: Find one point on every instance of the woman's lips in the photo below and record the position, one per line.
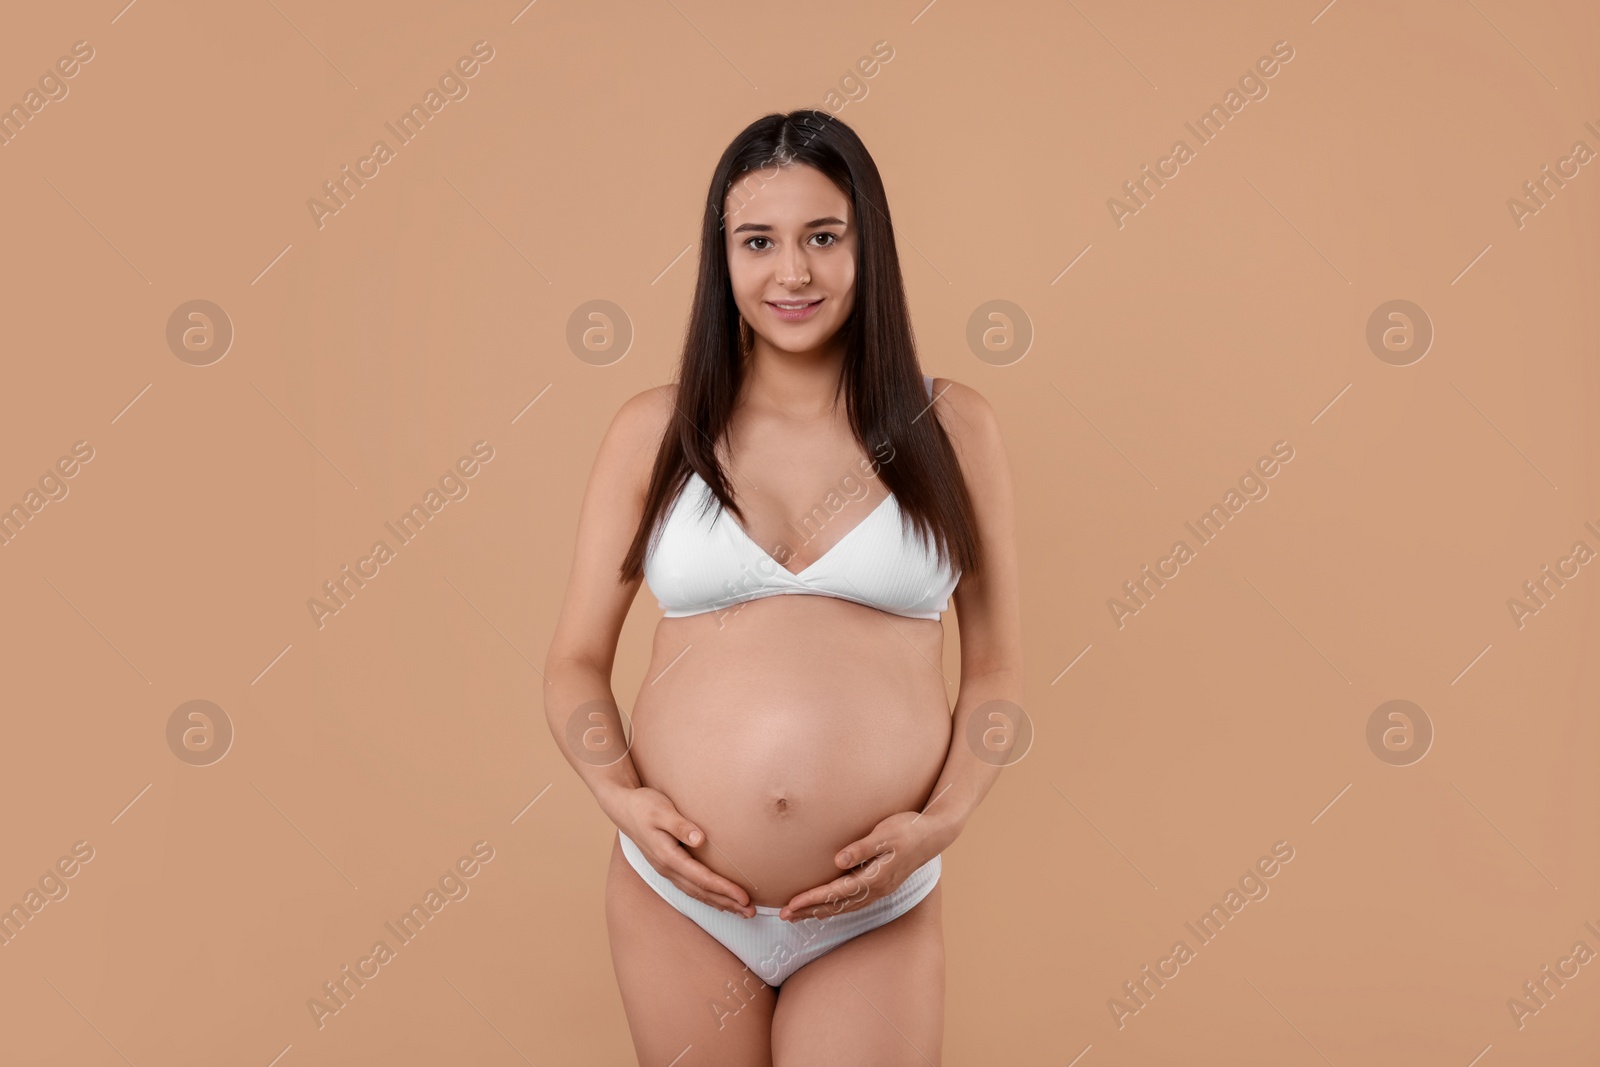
(795, 316)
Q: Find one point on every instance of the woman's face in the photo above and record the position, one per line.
(791, 239)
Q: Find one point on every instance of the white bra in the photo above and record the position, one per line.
(705, 561)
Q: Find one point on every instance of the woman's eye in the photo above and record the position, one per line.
(833, 239)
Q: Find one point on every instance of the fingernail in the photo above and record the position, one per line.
(694, 837)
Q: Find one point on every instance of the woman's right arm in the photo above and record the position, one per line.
(579, 706)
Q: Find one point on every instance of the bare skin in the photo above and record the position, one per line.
(793, 750)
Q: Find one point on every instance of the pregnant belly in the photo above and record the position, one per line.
(788, 729)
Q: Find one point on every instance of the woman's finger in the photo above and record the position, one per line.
(692, 870)
(695, 878)
(702, 894)
(846, 893)
(667, 869)
(707, 881)
(716, 900)
(687, 832)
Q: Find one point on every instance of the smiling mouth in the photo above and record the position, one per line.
(800, 305)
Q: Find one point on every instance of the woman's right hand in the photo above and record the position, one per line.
(654, 823)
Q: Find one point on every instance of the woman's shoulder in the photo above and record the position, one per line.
(628, 448)
(969, 420)
(643, 417)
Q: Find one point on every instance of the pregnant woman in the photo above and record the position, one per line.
(804, 503)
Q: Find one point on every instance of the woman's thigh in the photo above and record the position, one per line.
(876, 1000)
(680, 987)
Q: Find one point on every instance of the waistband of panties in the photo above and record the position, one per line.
(636, 859)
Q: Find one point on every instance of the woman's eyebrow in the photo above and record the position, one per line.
(826, 220)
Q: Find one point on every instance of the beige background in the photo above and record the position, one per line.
(370, 754)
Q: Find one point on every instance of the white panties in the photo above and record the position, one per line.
(775, 948)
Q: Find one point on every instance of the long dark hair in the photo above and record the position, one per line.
(881, 378)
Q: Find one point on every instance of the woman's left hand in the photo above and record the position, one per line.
(874, 865)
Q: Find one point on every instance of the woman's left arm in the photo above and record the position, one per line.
(988, 721)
